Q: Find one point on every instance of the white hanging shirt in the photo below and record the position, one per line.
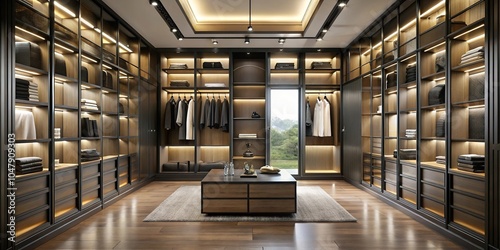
(318, 118)
(190, 121)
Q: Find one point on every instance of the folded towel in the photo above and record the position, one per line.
(31, 159)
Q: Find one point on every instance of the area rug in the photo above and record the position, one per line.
(313, 205)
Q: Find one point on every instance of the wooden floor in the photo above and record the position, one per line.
(379, 226)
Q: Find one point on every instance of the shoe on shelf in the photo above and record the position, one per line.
(255, 115)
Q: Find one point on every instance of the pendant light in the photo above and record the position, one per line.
(250, 28)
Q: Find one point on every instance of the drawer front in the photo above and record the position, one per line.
(409, 183)
(433, 176)
(123, 162)
(90, 183)
(389, 187)
(389, 165)
(409, 196)
(468, 185)
(434, 192)
(272, 190)
(272, 206)
(32, 203)
(224, 206)
(468, 203)
(377, 182)
(108, 166)
(224, 190)
(468, 221)
(109, 188)
(90, 196)
(432, 206)
(66, 191)
(390, 176)
(31, 185)
(409, 170)
(123, 180)
(109, 177)
(32, 222)
(90, 170)
(65, 207)
(65, 176)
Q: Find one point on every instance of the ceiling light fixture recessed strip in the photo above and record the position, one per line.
(167, 18)
(331, 18)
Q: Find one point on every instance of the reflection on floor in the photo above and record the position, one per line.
(379, 226)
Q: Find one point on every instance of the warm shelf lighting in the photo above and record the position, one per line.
(106, 66)
(90, 25)
(390, 36)
(469, 31)
(412, 22)
(433, 8)
(111, 39)
(65, 48)
(475, 38)
(125, 47)
(30, 33)
(366, 52)
(440, 78)
(63, 8)
(88, 58)
(433, 47)
(474, 69)
(392, 92)
(27, 71)
(377, 45)
(476, 106)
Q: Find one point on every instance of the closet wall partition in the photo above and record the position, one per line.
(74, 77)
(425, 120)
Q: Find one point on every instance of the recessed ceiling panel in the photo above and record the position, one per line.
(216, 16)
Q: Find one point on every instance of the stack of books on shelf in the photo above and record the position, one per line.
(441, 159)
(89, 104)
(247, 135)
(405, 154)
(472, 55)
(26, 165)
(89, 127)
(471, 163)
(411, 133)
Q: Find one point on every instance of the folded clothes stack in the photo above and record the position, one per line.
(90, 155)
(472, 55)
(471, 163)
(214, 84)
(207, 166)
(89, 104)
(179, 83)
(411, 73)
(178, 66)
(26, 90)
(247, 135)
(411, 133)
(406, 154)
(441, 159)
(26, 165)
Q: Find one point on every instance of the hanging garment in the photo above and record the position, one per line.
(183, 126)
(218, 106)
(25, 125)
(224, 117)
(190, 120)
(211, 113)
(318, 118)
(170, 114)
(309, 122)
(327, 126)
(206, 111)
(202, 111)
(178, 117)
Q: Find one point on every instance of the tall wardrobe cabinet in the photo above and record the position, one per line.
(74, 78)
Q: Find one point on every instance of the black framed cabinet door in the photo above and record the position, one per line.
(351, 128)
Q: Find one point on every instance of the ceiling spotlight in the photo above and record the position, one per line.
(214, 42)
(247, 40)
(180, 38)
(319, 39)
(319, 50)
(325, 30)
(250, 28)
(153, 2)
(281, 40)
(174, 30)
(342, 4)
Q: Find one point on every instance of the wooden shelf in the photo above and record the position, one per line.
(178, 71)
(211, 71)
(256, 157)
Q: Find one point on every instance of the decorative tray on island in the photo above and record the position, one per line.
(253, 175)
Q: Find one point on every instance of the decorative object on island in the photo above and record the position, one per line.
(248, 152)
(269, 170)
(249, 171)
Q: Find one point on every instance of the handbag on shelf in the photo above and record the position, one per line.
(212, 65)
(29, 54)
